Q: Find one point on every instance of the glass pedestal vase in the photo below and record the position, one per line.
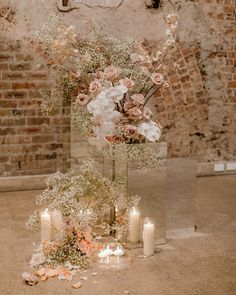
(141, 170)
(181, 198)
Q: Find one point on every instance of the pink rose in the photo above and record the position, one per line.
(128, 105)
(157, 78)
(130, 131)
(128, 83)
(113, 138)
(82, 99)
(137, 58)
(95, 87)
(135, 114)
(110, 73)
(138, 99)
(99, 75)
(147, 114)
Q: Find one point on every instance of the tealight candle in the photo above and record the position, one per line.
(45, 226)
(102, 254)
(134, 226)
(148, 237)
(108, 251)
(119, 251)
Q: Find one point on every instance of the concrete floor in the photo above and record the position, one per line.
(201, 265)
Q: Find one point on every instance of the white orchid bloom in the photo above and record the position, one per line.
(116, 93)
(104, 114)
(150, 131)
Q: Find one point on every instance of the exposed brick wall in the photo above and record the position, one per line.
(198, 112)
(29, 142)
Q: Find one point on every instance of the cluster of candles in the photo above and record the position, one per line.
(107, 252)
(148, 232)
(55, 219)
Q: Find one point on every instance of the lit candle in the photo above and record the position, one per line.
(134, 226)
(57, 220)
(102, 254)
(108, 251)
(148, 238)
(45, 226)
(119, 251)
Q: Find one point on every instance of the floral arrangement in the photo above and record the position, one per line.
(84, 201)
(75, 247)
(109, 81)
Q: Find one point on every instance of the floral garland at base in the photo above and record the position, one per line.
(83, 201)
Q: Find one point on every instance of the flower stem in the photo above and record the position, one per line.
(149, 89)
(144, 85)
(151, 95)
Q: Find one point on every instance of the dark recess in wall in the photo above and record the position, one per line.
(156, 3)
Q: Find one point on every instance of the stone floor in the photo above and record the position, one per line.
(202, 265)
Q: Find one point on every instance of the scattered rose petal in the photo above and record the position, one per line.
(51, 272)
(30, 279)
(84, 278)
(77, 285)
(40, 272)
(66, 274)
(126, 292)
(94, 274)
(140, 256)
(44, 278)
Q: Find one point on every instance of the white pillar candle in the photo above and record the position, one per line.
(148, 238)
(134, 226)
(45, 226)
(57, 220)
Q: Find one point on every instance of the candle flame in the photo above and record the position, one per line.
(45, 213)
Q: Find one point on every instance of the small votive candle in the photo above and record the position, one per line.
(119, 251)
(148, 237)
(134, 225)
(108, 251)
(45, 226)
(102, 254)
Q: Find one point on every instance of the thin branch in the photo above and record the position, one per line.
(151, 95)
(149, 89)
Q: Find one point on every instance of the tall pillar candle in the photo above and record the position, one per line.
(45, 226)
(148, 237)
(134, 226)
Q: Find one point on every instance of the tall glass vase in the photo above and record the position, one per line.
(140, 169)
(115, 167)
